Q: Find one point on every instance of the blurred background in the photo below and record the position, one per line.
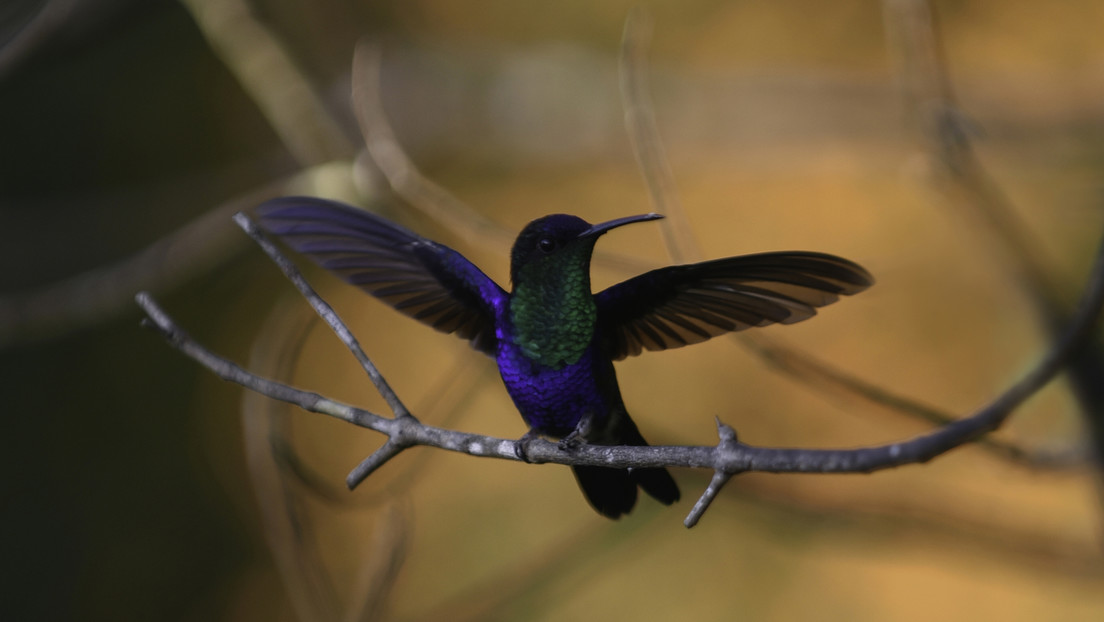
(138, 486)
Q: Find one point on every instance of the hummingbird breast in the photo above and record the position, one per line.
(552, 400)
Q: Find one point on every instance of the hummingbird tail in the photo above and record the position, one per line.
(612, 492)
(658, 483)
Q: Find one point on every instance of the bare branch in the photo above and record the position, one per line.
(728, 457)
(225, 369)
(374, 461)
(651, 158)
(947, 138)
(827, 378)
(455, 391)
(720, 477)
(324, 311)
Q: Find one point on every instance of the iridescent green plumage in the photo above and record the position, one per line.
(552, 309)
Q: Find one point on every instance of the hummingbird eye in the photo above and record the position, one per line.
(546, 245)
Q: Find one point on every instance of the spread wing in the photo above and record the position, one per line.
(425, 280)
(680, 305)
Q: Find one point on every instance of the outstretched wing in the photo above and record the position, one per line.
(680, 305)
(425, 280)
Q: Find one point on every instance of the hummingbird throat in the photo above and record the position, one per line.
(552, 310)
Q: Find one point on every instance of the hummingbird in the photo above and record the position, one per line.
(554, 340)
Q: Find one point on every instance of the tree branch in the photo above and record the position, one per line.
(324, 311)
(640, 122)
(947, 139)
(727, 458)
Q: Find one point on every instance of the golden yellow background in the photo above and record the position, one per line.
(127, 491)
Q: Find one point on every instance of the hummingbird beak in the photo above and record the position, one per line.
(597, 230)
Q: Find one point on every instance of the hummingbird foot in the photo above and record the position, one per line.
(578, 436)
(521, 446)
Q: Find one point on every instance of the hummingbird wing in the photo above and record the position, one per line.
(425, 280)
(680, 305)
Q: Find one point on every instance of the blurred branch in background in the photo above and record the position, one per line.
(288, 101)
(640, 122)
(197, 247)
(533, 582)
(418, 191)
(526, 581)
(404, 178)
(444, 404)
(289, 490)
(913, 30)
(798, 364)
(265, 69)
(36, 32)
(291, 536)
(106, 292)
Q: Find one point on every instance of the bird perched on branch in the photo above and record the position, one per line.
(553, 339)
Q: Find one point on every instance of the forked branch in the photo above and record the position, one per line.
(727, 458)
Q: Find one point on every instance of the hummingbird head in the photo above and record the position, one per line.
(559, 241)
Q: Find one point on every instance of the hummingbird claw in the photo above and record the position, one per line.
(572, 441)
(578, 436)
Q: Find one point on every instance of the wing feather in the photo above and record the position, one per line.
(681, 305)
(425, 280)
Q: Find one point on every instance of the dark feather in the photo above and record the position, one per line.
(680, 305)
(425, 280)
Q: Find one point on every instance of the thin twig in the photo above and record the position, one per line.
(719, 479)
(324, 311)
(455, 391)
(827, 378)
